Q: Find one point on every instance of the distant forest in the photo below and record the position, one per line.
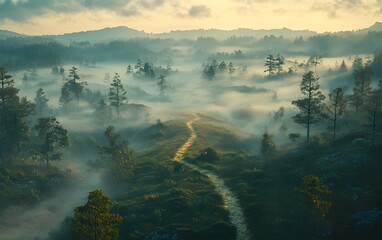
(18, 53)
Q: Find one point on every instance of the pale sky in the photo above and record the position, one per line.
(40, 17)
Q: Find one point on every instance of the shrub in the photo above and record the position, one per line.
(209, 155)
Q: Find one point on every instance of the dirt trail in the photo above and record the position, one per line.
(231, 202)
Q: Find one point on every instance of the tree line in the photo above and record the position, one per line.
(24, 128)
(362, 107)
(364, 102)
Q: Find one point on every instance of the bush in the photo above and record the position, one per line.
(317, 141)
(209, 155)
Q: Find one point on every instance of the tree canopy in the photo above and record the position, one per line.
(94, 221)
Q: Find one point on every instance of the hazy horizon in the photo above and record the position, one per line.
(159, 16)
(175, 30)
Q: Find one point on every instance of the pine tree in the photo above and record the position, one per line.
(94, 221)
(106, 78)
(72, 87)
(148, 71)
(279, 62)
(336, 107)
(62, 70)
(34, 75)
(117, 154)
(162, 84)
(222, 67)
(74, 84)
(231, 68)
(268, 146)
(55, 70)
(311, 107)
(129, 69)
(374, 107)
(362, 76)
(343, 67)
(139, 67)
(117, 94)
(314, 61)
(41, 103)
(14, 111)
(25, 78)
(270, 64)
(65, 98)
(54, 138)
(209, 72)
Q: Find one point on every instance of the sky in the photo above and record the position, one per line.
(40, 17)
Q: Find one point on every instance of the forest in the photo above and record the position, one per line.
(166, 138)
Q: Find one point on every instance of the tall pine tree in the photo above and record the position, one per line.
(54, 138)
(336, 107)
(270, 63)
(41, 103)
(117, 94)
(14, 129)
(374, 107)
(311, 106)
(72, 86)
(362, 73)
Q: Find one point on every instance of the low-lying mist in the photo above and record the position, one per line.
(248, 100)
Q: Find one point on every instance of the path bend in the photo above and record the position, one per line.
(230, 200)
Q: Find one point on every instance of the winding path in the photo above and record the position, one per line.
(231, 202)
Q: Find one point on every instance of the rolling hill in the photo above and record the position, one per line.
(125, 33)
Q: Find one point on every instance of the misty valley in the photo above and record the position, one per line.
(199, 134)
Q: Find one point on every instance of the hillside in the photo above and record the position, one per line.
(7, 34)
(125, 33)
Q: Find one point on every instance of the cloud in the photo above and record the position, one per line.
(333, 6)
(23, 10)
(151, 4)
(198, 11)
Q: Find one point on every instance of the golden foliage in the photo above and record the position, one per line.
(316, 193)
(94, 220)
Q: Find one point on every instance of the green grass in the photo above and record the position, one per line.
(266, 188)
(166, 197)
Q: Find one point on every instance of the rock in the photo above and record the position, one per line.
(367, 221)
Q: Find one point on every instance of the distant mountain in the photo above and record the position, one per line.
(106, 34)
(6, 34)
(377, 27)
(125, 33)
